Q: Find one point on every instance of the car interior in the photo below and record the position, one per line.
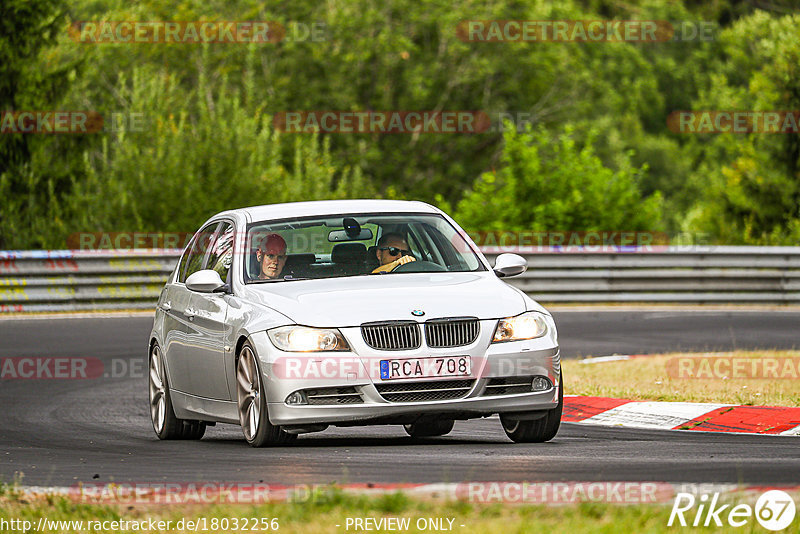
(346, 259)
(343, 247)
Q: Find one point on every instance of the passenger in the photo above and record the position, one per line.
(271, 256)
(390, 246)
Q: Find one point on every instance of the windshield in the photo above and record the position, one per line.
(355, 245)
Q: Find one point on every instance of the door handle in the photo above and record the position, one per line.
(166, 306)
(190, 313)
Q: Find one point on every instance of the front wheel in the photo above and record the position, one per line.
(252, 403)
(539, 430)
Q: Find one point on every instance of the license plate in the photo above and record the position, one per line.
(426, 367)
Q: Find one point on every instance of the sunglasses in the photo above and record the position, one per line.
(394, 251)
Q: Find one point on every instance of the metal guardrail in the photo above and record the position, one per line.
(94, 280)
(769, 275)
(67, 280)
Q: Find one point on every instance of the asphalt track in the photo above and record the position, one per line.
(60, 432)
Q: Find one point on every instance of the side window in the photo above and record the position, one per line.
(197, 251)
(221, 253)
(184, 258)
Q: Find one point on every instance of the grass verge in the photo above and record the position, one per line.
(329, 512)
(693, 377)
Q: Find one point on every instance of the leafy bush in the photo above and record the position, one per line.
(751, 182)
(196, 155)
(548, 182)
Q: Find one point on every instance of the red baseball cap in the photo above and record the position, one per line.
(273, 244)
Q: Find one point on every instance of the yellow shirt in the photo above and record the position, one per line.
(393, 265)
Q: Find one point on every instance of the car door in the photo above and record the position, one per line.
(179, 342)
(208, 331)
(173, 302)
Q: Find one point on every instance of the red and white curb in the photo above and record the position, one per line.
(692, 416)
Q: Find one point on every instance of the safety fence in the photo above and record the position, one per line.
(103, 280)
(64, 280)
(768, 275)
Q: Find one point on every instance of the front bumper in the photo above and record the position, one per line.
(285, 373)
(393, 412)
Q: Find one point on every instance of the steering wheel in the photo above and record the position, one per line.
(419, 266)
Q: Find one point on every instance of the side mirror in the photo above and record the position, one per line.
(205, 281)
(509, 265)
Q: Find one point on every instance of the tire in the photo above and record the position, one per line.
(162, 414)
(539, 430)
(193, 429)
(428, 429)
(252, 403)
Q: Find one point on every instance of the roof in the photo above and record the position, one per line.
(333, 207)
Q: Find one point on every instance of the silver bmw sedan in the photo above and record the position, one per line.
(288, 318)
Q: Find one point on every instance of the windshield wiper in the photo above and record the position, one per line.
(287, 278)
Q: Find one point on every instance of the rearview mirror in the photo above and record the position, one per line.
(510, 265)
(205, 281)
(341, 235)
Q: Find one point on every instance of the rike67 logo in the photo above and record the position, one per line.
(774, 510)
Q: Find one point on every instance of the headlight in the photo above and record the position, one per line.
(305, 339)
(528, 325)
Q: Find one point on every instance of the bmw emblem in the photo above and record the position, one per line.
(417, 313)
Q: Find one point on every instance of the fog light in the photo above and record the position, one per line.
(540, 383)
(298, 397)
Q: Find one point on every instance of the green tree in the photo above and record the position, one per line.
(404, 55)
(751, 182)
(184, 158)
(549, 182)
(209, 143)
(28, 32)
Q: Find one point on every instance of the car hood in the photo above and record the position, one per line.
(351, 301)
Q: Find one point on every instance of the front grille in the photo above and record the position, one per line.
(508, 385)
(342, 395)
(454, 332)
(400, 335)
(425, 391)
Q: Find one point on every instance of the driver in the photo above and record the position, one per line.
(392, 252)
(271, 256)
